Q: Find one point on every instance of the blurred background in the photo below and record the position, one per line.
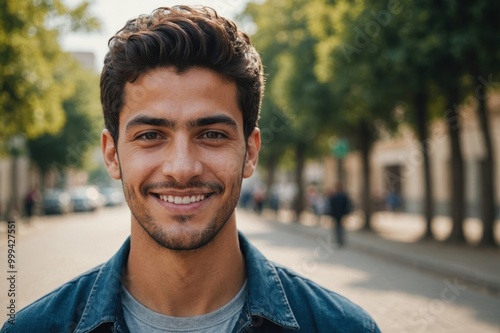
(398, 101)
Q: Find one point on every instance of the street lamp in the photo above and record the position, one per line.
(339, 148)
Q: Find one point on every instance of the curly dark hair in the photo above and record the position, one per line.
(181, 37)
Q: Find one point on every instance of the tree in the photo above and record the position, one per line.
(466, 45)
(358, 84)
(445, 23)
(287, 50)
(275, 136)
(69, 148)
(30, 76)
(429, 48)
(403, 41)
(482, 59)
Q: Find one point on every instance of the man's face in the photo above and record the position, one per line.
(181, 155)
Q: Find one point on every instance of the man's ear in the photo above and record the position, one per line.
(252, 157)
(110, 154)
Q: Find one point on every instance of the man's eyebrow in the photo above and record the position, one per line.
(152, 121)
(215, 119)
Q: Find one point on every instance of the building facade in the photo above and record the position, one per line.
(397, 164)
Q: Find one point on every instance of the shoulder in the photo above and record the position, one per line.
(318, 309)
(58, 311)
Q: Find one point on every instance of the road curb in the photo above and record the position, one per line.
(435, 266)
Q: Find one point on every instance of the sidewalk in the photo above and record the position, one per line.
(396, 237)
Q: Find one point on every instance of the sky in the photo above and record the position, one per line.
(113, 15)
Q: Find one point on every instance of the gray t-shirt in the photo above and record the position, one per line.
(141, 319)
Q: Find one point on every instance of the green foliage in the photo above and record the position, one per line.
(377, 63)
(70, 147)
(349, 61)
(32, 84)
(373, 55)
(293, 93)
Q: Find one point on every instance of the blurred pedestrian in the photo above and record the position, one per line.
(259, 198)
(274, 200)
(316, 202)
(246, 198)
(340, 205)
(30, 200)
(393, 201)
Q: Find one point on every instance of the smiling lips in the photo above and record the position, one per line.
(185, 200)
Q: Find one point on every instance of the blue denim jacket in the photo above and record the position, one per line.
(278, 300)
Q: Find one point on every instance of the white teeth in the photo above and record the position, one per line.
(182, 200)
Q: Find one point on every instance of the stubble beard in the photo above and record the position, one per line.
(191, 240)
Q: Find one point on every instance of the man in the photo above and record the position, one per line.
(181, 91)
(339, 205)
(30, 200)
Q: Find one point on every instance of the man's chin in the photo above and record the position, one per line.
(181, 245)
(182, 218)
(188, 239)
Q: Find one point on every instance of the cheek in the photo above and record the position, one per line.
(135, 165)
(226, 167)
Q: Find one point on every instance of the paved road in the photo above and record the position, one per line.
(400, 298)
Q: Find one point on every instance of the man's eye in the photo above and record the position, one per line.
(150, 136)
(214, 135)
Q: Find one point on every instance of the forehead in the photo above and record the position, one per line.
(167, 93)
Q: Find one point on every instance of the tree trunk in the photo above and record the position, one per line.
(271, 166)
(457, 167)
(61, 176)
(300, 159)
(42, 178)
(487, 181)
(487, 174)
(421, 116)
(365, 144)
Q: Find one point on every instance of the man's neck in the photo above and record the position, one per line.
(185, 283)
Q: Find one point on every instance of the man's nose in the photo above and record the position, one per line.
(181, 160)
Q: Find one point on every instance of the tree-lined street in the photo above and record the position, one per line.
(365, 70)
(399, 297)
(342, 78)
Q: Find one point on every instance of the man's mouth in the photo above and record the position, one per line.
(183, 194)
(181, 200)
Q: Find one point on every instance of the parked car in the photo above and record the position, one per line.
(56, 201)
(113, 196)
(86, 199)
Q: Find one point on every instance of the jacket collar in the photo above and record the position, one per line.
(266, 296)
(104, 303)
